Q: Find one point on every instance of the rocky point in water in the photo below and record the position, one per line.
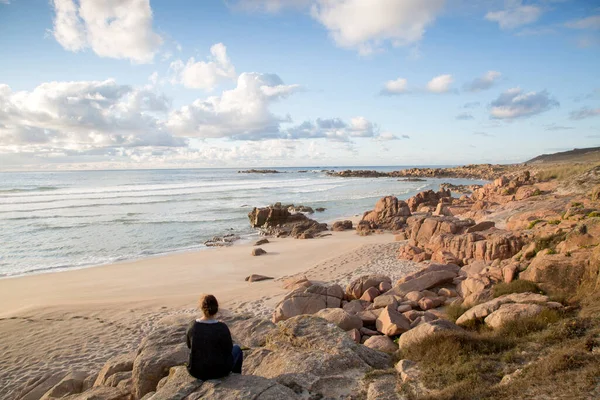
(277, 220)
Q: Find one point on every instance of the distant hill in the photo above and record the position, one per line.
(590, 154)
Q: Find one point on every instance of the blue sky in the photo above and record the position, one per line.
(138, 84)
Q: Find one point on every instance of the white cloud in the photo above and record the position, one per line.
(515, 14)
(396, 86)
(484, 82)
(585, 112)
(338, 130)
(82, 117)
(367, 25)
(591, 22)
(112, 28)
(515, 104)
(204, 75)
(440, 84)
(239, 113)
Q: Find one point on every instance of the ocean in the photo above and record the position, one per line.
(53, 221)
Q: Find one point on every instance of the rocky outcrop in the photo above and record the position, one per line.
(308, 301)
(278, 221)
(222, 241)
(558, 272)
(310, 354)
(476, 171)
(259, 171)
(159, 351)
(389, 214)
(359, 286)
(427, 198)
(341, 225)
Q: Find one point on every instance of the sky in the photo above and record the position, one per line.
(114, 84)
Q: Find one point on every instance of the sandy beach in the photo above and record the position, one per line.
(78, 319)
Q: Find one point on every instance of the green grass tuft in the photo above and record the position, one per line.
(516, 286)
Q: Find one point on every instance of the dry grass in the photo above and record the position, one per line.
(454, 311)
(562, 171)
(555, 353)
(516, 286)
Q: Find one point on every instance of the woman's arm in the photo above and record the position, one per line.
(188, 334)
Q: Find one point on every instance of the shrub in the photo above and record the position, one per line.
(594, 214)
(554, 222)
(517, 286)
(561, 172)
(549, 242)
(454, 311)
(551, 251)
(534, 223)
(524, 326)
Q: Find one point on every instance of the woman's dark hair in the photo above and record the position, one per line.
(209, 305)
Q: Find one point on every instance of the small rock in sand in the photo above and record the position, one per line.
(261, 241)
(258, 252)
(257, 278)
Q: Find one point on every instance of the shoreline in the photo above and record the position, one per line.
(92, 314)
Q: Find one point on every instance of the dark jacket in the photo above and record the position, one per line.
(210, 350)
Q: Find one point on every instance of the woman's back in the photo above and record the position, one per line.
(210, 343)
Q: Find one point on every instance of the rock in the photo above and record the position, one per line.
(384, 301)
(369, 332)
(222, 241)
(357, 287)
(257, 278)
(243, 387)
(384, 287)
(404, 308)
(260, 242)
(296, 283)
(383, 387)
(355, 334)
(482, 226)
(370, 294)
(300, 209)
(446, 292)
(428, 303)
(249, 331)
(342, 225)
(341, 318)
(102, 393)
(115, 379)
(414, 253)
(304, 235)
(511, 312)
(277, 220)
(391, 323)
(389, 213)
(483, 310)
(428, 197)
(120, 363)
(413, 296)
(308, 301)
(381, 343)
(308, 353)
(408, 370)
(355, 306)
(320, 209)
(557, 272)
(72, 383)
(177, 385)
(424, 330)
(425, 281)
(36, 387)
(162, 349)
(369, 317)
(258, 252)
(445, 257)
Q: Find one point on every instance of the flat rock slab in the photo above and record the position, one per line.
(481, 311)
(423, 282)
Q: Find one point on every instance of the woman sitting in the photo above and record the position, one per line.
(212, 353)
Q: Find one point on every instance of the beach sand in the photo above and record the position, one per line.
(78, 319)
